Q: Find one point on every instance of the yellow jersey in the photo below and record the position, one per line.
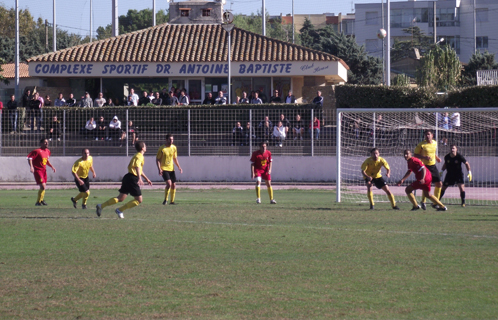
(166, 155)
(136, 161)
(425, 148)
(82, 167)
(372, 167)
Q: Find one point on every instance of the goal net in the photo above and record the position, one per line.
(473, 131)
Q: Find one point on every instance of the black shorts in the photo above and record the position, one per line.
(378, 182)
(451, 180)
(434, 172)
(129, 185)
(169, 175)
(86, 184)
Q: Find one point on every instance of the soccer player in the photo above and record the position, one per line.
(131, 183)
(38, 161)
(166, 156)
(261, 164)
(426, 151)
(370, 169)
(453, 163)
(423, 182)
(80, 171)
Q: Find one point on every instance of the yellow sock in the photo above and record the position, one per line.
(110, 202)
(173, 193)
(370, 197)
(437, 192)
(79, 196)
(270, 193)
(436, 201)
(391, 198)
(85, 197)
(258, 192)
(423, 199)
(166, 193)
(41, 195)
(412, 199)
(129, 205)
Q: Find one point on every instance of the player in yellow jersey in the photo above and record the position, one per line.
(426, 151)
(370, 169)
(165, 158)
(80, 172)
(131, 183)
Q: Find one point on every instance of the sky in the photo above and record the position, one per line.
(74, 15)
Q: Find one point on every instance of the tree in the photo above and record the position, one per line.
(2, 78)
(479, 61)
(308, 35)
(401, 80)
(133, 20)
(8, 22)
(440, 68)
(254, 23)
(402, 48)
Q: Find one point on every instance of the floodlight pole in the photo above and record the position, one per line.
(228, 28)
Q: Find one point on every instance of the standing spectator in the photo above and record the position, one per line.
(144, 100)
(114, 128)
(455, 120)
(90, 126)
(183, 100)
(12, 107)
(221, 99)
(60, 101)
(244, 99)
(151, 95)
(26, 99)
(47, 102)
(165, 95)
(26, 104)
(100, 101)
(315, 128)
(133, 98)
(71, 102)
(158, 101)
(290, 98)
(54, 130)
(318, 99)
(101, 129)
(209, 99)
(285, 122)
(132, 132)
(256, 99)
(298, 128)
(249, 133)
(279, 133)
(36, 111)
(275, 98)
(86, 102)
(173, 100)
(262, 96)
(109, 102)
(237, 135)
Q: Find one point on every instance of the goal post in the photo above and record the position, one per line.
(472, 130)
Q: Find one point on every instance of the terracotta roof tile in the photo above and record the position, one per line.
(186, 43)
(9, 70)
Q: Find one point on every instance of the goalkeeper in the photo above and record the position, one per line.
(453, 163)
(370, 169)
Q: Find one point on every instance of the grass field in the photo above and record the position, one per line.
(218, 255)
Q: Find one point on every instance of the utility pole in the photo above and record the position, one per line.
(115, 18)
(91, 19)
(434, 21)
(293, 27)
(388, 56)
(263, 17)
(17, 52)
(54, 31)
(153, 13)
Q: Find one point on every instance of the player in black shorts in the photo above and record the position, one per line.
(453, 163)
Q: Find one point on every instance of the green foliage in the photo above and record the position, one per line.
(2, 78)
(401, 80)
(133, 20)
(473, 97)
(403, 48)
(8, 25)
(253, 23)
(479, 61)
(440, 68)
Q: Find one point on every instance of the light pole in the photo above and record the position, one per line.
(228, 26)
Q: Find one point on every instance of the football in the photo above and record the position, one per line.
(381, 34)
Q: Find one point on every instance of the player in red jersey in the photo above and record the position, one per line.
(261, 169)
(38, 161)
(423, 182)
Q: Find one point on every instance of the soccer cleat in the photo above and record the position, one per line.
(273, 201)
(83, 206)
(395, 208)
(415, 208)
(463, 205)
(172, 203)
(99, 210)
(43, 202)
(38, 204)
(435, 206)
(74, 202)
(442, 209)
(372, 207)
(258, 200)
(165, 202)
(422, 205)
(120, 214)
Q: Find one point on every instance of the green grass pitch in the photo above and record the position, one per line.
(219, 255)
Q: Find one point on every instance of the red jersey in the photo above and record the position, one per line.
(39, 157)
(261, 160)
(415, 165)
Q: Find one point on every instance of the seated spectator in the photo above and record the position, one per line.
(183, 100)
(290, 98)
(100, 101)
(265, 129)
(237, 135)
(47, 102)
(86, 101)
(109, 103)
(220, 99)
(173, 100)
(256, 99)
(318, 99)
(285, 122)
(101, 129)
(144, 99)
(132, 132)
(298, 128)
(209, 99)
(248, 134)
(316, 128)
(275, 98)
(71, 102)
(54, 130)
(244, 99)
(151, 95)
(114, 128)
(132, 98)
(60, 101)
(89, 128)
(279, 133)
(157, 101)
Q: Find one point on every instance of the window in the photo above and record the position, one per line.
(206, 12)
(372, 18)
(372, 45)
(481, 42)
(452, 41)
(184, 12)
(482, 15)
